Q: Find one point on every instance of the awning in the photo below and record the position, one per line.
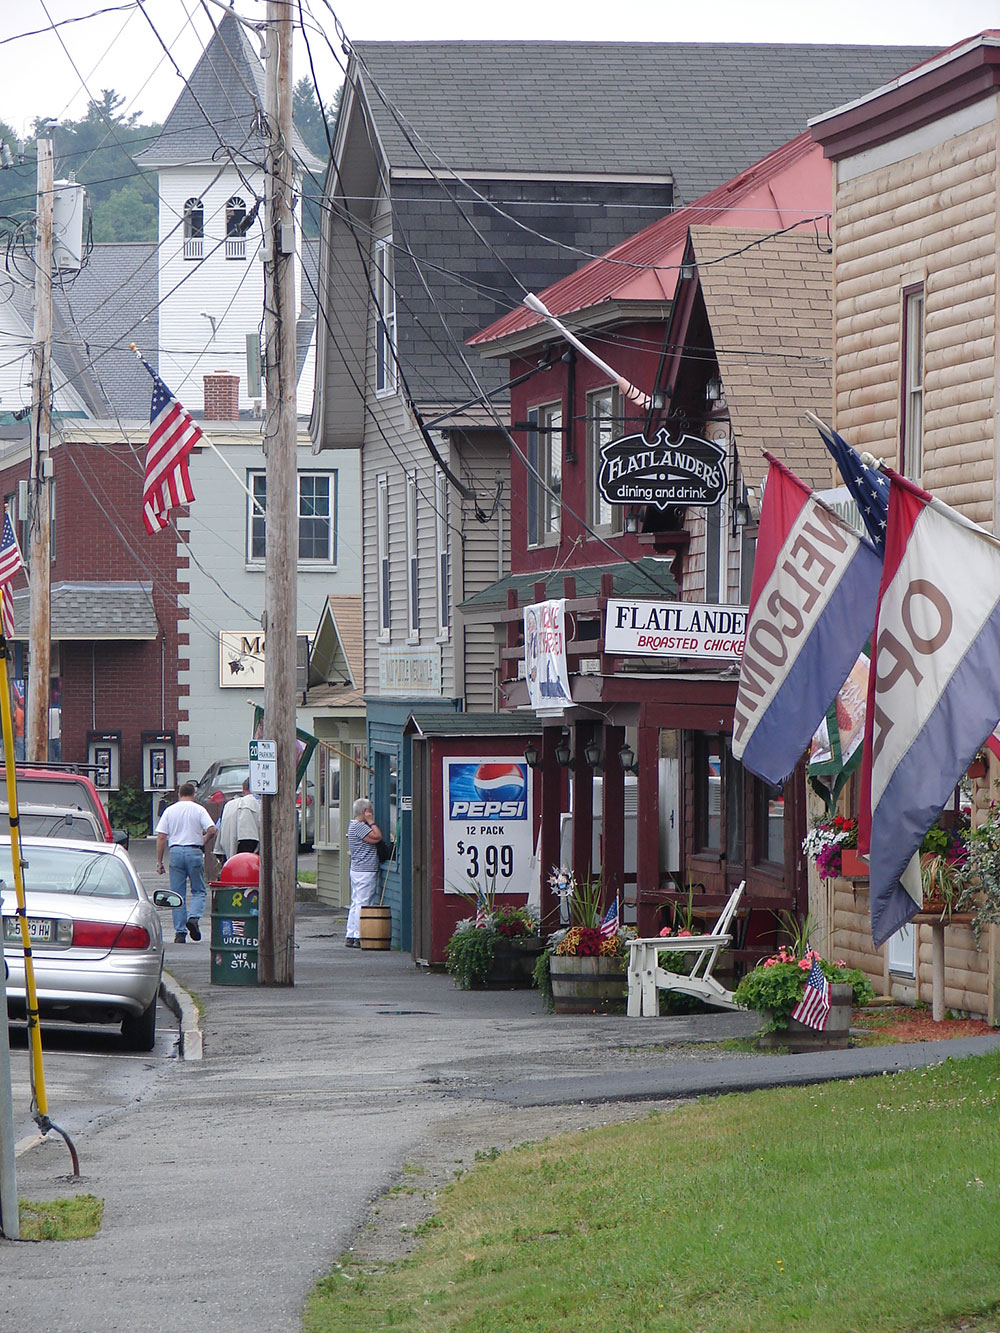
(92, 611)
(649, 578)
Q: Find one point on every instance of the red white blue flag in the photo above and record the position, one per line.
(10, 563)
(814, 1007)
(172, 436)
(812, 607)
(933, 691)
(609, 926)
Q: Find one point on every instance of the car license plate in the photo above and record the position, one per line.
(39, 929)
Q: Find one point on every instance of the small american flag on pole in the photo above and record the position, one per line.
(609, 926)
(10, 563)
(814, 1007)
(172, 436)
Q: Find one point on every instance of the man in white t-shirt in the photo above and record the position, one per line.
(186, 828)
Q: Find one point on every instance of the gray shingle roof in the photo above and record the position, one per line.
(94, 611)
(223, 98)
(112, 302)
(649, 576)
(701, 111)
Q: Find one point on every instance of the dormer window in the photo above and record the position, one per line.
(236, 225)
(194, 229)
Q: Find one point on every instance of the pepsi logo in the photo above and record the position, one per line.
(500, 782)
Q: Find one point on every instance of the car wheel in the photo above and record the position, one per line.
(139, 1032)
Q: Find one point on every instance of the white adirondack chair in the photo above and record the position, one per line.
(646, 978)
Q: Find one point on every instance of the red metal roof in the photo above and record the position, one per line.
(787, 186)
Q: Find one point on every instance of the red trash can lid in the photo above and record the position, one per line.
(243, 868)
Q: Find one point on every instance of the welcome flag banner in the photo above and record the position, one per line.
(812, 607)
(933, 690)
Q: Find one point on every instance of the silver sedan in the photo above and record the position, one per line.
(95, 936)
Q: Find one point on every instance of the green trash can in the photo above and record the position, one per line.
(235, 904)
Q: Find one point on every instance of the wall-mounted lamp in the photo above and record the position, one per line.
(713, 389)
(659, 400)
(686, 272)
(593, 754)
(632, 518)
(531, 755)
(741, 514)
(627, 759)
(564, 754)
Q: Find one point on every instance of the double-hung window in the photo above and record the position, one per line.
(236, 228)
(385, 319)
(603, 420)
(412, 560)
(382, 553)
(544, 490)
(317, 518)
(912, 443)
(441, 552)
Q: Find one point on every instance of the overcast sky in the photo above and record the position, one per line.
(111, 44)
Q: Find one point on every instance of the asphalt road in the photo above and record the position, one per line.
(232, 1184)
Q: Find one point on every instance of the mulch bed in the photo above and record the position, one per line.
(902, 1023)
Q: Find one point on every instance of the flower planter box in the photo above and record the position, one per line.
(588, 985)
(852, 866)
(798, 1038)
(514, 961)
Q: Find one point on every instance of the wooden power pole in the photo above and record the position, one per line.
(279, 837)
(40, 471)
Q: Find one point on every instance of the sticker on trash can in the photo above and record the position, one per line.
(238, 930)
(236, 962)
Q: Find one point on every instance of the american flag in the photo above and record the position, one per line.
(172, 436)
(814, 1007)
(10, 563)
(868, 485)
(609, 926)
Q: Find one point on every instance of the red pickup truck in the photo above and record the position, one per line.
(50, 786)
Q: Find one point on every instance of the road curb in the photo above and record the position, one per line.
(180, 1003)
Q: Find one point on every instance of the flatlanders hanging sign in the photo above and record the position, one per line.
(674, 629)
(662, 472)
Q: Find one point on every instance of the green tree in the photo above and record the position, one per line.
(125, 216)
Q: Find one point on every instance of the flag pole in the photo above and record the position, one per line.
(219, 455)
(633, 394)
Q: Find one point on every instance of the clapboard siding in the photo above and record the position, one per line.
(483, 462)
(932, 217)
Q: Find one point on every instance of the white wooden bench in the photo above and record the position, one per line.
(646, 978)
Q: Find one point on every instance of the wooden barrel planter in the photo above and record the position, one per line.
(514, 961)
(376, 927)
(798, 1038)
(587, 985)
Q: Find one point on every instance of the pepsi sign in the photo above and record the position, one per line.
(487, 825)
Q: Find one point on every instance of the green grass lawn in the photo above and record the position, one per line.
(871, 1205)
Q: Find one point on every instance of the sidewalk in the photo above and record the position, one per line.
(237, 1180)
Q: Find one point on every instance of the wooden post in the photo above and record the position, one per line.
(613, 820)
(277, 887)
(37, 703)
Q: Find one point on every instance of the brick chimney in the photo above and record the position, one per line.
(222, 396)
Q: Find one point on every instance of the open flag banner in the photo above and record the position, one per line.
(172, 436)
(812, 606)
(10, 563)
(934, 688)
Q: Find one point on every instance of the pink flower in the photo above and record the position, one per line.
(664, 932)
(805, 964)
(681, 934)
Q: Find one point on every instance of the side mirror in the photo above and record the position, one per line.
(167, 898)
(120, 836)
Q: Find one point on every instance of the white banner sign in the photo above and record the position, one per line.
(675, 629)
(487, 825)
(545, 656)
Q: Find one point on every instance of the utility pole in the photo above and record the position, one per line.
(278, 840)
(40, 470)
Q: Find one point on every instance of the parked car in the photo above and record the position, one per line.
(222, 779)
(95, 936)
(56, 821)
(49, 786)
